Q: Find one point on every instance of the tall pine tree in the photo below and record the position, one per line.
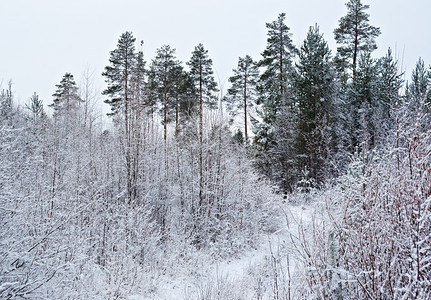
(362, 96)
(313, 87)
(273, 130)
(201, 75)
(387, 91)
(354, 34)
(184, 106)
(119, 76)
(66, 98)
(273, 83)
(162, 80)
(356, 39)
(242, 93)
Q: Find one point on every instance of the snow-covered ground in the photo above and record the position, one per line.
(248, 276)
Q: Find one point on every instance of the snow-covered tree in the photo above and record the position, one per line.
(274, 81)
(314, 88)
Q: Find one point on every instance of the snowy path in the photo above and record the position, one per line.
(234, 273)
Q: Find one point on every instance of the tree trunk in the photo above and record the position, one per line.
(245, 110)
(201, 179)
(355, 51)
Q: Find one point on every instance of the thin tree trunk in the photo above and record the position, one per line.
(177, 121)
(355, 51)
(245, 110)
(127, 136)
(201, 180)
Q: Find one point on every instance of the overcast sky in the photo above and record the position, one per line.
(43, 39)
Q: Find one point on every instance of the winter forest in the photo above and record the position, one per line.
(309, 177)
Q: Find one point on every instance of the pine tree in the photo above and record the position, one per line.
(162, 80)
(313, 86)
(184, 106)
(387, 88)
(139, 83)
(362, 95)
(242, 93)
(201, 75)
(418, 94)
(6, 98)
(35, 106)
(273, 83)
(273, 131)
(417, 90)
(119, 77)
(66, 98)
(354, 35)
(139, 105)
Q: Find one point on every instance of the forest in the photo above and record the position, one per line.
(309, 177)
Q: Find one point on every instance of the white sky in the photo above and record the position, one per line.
(43, 39)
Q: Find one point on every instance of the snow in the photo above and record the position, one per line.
(236, 271)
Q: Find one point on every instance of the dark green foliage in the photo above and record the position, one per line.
(242, 93)
(354, 35)
(66, 98)
(201, 75)
(274, 81)
(274, 131)
(363, 99)
(118, 74)
(277, 59)
(277, 65)
(162, 80)
(238, 137)
(161, 74)
(184, 105)
(313, 87)
(139, 84)
(387, 91)
(418, 94)
(418, 88)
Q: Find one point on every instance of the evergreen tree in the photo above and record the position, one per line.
(36, 108)
(387, 89)
(201, 75)
(139, 83)
(6, 97)
(242, 93)
(121, 97)
(362, 95)
(66, 98)
(184, 106)
(139, 103)
(274, 81)
(118, 76)
(162, 80)
(313, 86)
(274, 131)
(417, 90)
(354, 35)
(418, 94)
